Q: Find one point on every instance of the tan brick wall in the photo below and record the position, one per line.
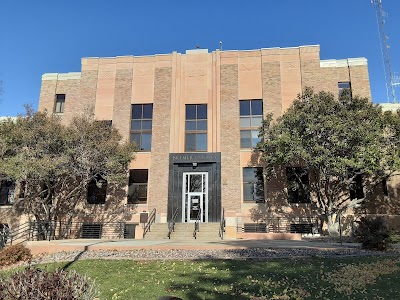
(47, 95)
(271, 83)
(122, 101)
(230, 139)
(87, 97)
(73, 101)
(360, 81)
(159, 170)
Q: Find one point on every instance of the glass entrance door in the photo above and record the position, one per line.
(195, 196)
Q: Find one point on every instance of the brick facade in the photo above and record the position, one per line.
(219, 79)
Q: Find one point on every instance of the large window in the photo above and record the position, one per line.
(137, 190)
(251, 115)
(7, 189)
(253, 185)
(142, 116)
(344, 86)
(97, 191)
(196, 127)
(59, 105)
(298, 185)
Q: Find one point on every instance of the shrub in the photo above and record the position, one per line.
(13, 254)
(373, 233)
(33, 283)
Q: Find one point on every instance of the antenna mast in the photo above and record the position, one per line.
(390, 78)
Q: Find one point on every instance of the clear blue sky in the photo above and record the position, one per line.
(46, 36)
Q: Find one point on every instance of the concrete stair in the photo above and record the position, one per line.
(159, 231)
(184, 231)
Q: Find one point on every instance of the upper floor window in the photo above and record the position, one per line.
(344, 86)
(59, 105)
(141, 124)
(97, 190)
(253, 184)
(298, 185)
(196, 127)
(137, 190)
(251, 116)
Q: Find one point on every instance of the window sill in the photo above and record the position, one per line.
(58, 114)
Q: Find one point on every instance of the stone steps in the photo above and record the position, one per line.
(184, 231)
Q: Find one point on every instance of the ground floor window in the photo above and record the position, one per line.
(97, 190)
(7, 189)
(129, 231)
(137, 190)
(298, 185)
(253, 184)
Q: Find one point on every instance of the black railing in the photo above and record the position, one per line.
(222, 224)
(150, 220)
(197, 224)
(302, 225)
(171, 225)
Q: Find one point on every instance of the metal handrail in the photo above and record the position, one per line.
(150, 220)
(222, 224)
(197, 224)
(171, 225)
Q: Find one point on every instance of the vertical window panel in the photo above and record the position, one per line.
(196, 128)
(141, 126)
(251, 116)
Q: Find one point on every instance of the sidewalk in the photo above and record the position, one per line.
(38, 247)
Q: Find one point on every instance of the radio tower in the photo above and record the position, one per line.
(391, 80)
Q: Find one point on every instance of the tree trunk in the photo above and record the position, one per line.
(333, 224)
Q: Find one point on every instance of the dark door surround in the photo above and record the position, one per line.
(179, 163)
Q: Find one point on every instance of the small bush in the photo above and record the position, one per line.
(13, 254)
(373, 233)
(37, 284)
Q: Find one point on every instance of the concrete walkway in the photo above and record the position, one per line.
(38, 247)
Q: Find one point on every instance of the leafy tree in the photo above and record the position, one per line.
(54, 163)
(336, 141)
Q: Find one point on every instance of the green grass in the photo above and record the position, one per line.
(314, 278)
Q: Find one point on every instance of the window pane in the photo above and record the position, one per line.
(138, 176)
(60, 97)
(256, 121)
(147, 111)
(195, 183)
(249, 174)
(136, 125)
(248, 191)
(190, 112)
(190, 142)
(245, 139)
(146, 142)
(256, 107)
(245, 122)
(202, 111)
(135, 137)
(146, 124)
(201, 141)
(244, 108)
(254, 138)
(190, 125)
(344, 85)
(201, 125)
(136, 111)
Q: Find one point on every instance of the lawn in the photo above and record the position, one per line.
(313, 278)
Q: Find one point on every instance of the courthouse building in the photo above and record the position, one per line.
(195, 119)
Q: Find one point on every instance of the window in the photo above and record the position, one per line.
(137, 190)
(297, 179)
(97, 191)
(7, 188)
(344, 86)
(253, 184)
(142, 116)
(60, 102)
(356, 187)
(196, 127)
(251, 115)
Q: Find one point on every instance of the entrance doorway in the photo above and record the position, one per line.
(195, 196)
